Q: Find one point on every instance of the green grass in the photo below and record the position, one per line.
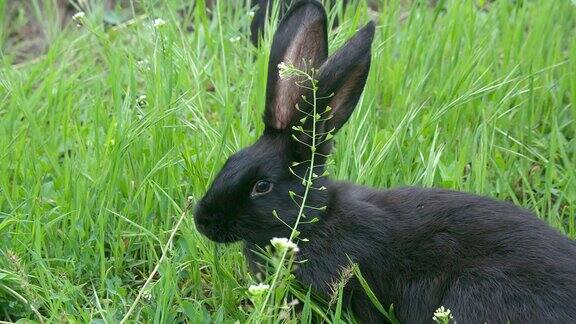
(92, 183)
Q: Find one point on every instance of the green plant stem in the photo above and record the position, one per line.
(304, 197)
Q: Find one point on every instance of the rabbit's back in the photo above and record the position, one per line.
(484, 259)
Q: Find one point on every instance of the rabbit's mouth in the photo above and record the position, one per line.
(218, 233)
(221, 237)
(216, 228)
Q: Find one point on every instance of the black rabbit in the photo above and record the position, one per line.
(419, 249)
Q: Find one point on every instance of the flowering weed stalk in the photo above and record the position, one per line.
(286, 246)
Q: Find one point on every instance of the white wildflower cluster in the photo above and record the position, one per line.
(259, 289)
(158, 22)
(286, 70)
(78, 18)
(442, 315)
(143, 65)
(234, 39)
(282, 67)
(147, 295)
(141, 100)
(282, 244)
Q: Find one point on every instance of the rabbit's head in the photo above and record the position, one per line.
(249, 199)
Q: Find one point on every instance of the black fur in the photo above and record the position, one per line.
(264, 12)
(419, 249)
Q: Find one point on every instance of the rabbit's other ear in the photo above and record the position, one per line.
(259, 20)
(344, 75)
(262, 16)
(301, 40)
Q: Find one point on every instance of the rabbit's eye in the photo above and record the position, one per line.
(261, 187)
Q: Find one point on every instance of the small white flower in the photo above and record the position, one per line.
(283, 70)
(143, 65)
(442, 315)
(288, 70)
(252, 13)
(282, 66)
(234, 39)
(158, 22)
(141, 99)
(147, 295)
(259, 289)
(282, 244)
(79, 16)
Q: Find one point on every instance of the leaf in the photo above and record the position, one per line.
(5, 223)
(338, 311)
(306, 318)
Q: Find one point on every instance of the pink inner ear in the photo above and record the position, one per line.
(342, 95)
(282, 112)
(306, 48)
(287, 96)
(281, 118)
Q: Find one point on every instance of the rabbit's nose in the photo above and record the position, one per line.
(200, 217)
(204, 218)
(198, 210)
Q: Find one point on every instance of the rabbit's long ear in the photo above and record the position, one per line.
(259, 20)
(301, 40)
(343, 76)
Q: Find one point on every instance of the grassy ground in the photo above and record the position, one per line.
(94, 177)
